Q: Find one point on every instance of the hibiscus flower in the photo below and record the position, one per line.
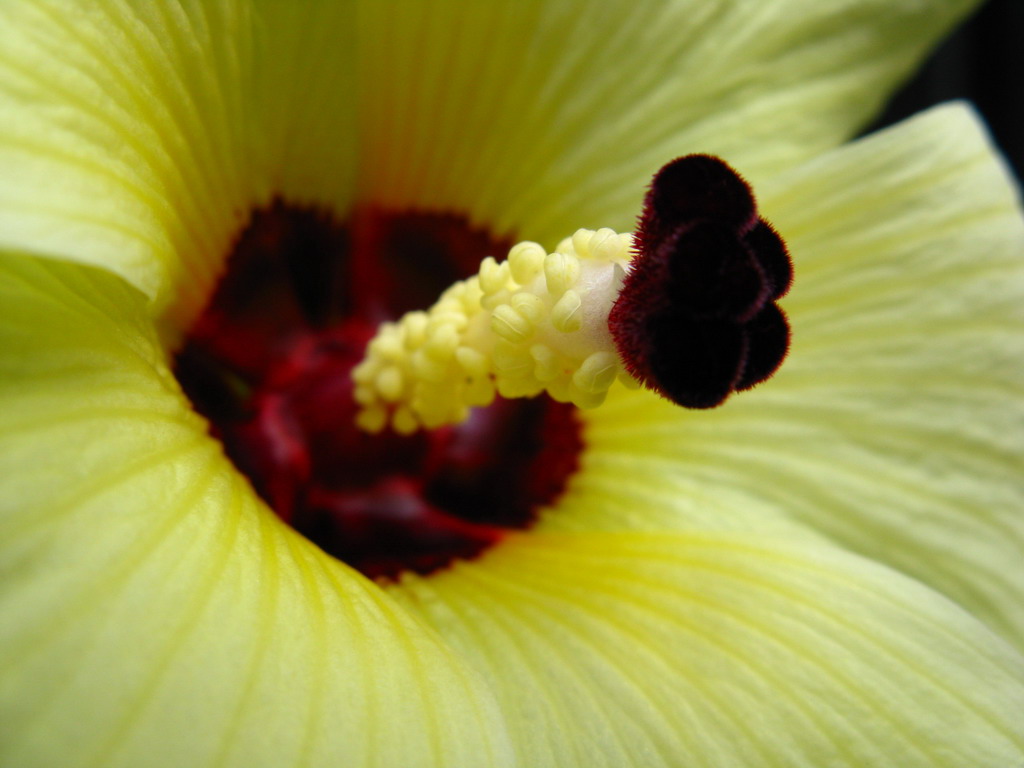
(823, 571)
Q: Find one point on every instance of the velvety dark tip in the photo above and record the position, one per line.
(695, 364)
(695, 319)
(768, 344)
(714, 275)
(691, 188)
(771, 253)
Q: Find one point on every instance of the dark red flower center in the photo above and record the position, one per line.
(268, 364)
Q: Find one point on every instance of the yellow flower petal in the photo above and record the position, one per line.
(540, 117)
(896, 426)
(137, 136)
(725, 651)
(910, 335)
(155, 612)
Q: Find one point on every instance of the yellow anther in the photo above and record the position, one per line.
(606, 245)
(479, 392)
(519, 387)
(442, 342)
(493, 276)
(438, 418)
(403, 421)
(389, 383)
(530, 305)
(365, 371)
(372, 420)
(561, 271)
(581, 242)
(526, 260)
(597, 372)
(364, 394)
(433, 405)
(560, 389)
(425, 367)
(415, 326)
(566, 315)
(388, 343)
(452, 314)
(510, 325)
(511, 359)
(582, 399)
(536, 322)
(470, 297)
(453, 294)
(546, 363)
(472, 362)
(628, 381)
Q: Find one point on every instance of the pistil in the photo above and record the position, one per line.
(686, 308)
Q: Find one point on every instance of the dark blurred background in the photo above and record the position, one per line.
(984, 63)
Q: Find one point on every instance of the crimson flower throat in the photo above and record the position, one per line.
(389, 462)
(268, 364)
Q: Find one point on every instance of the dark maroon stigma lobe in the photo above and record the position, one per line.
(269, 361)
(696, 318)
